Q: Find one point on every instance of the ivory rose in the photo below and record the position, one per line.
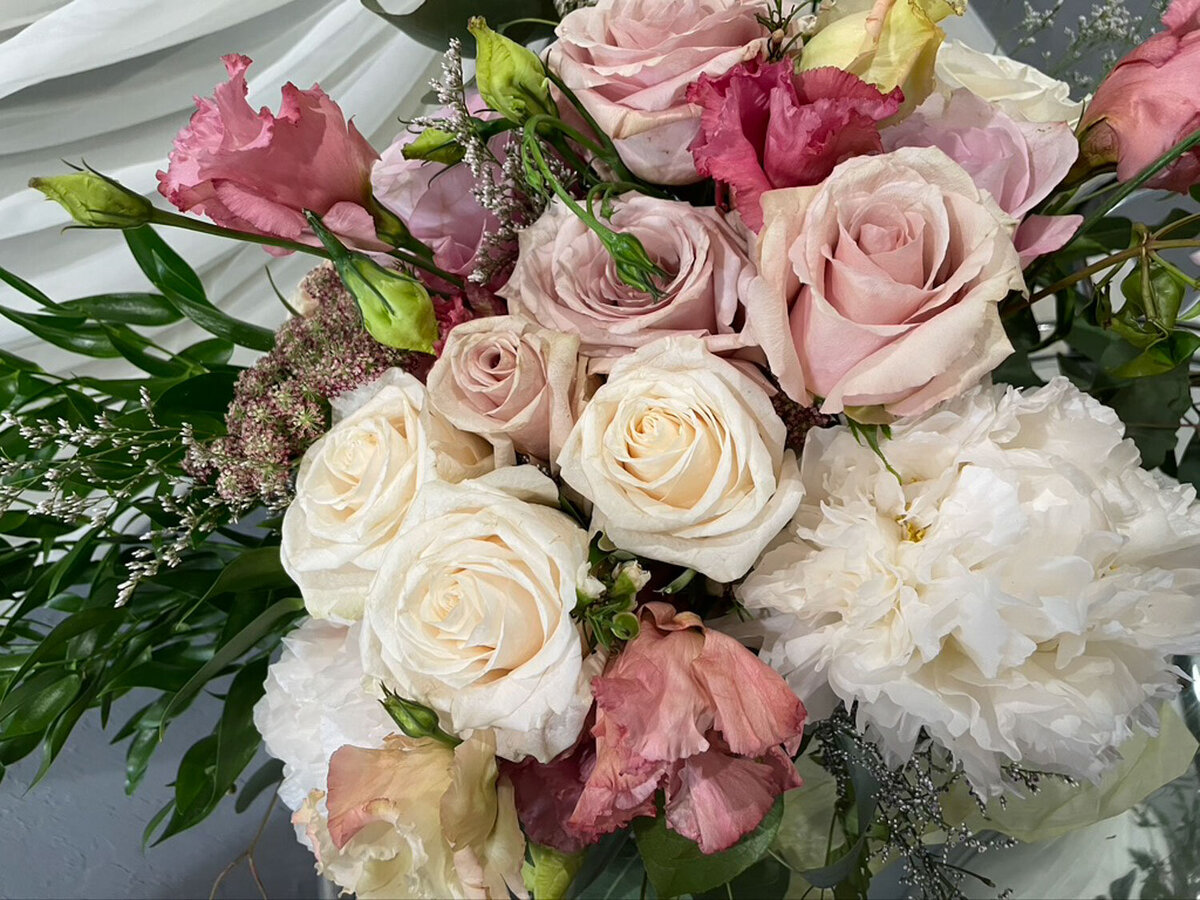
(518, 385)
(259, 172)
(630, 63)
(1020, 90)
(1149, 103)
(880, 287)
(1018, 162)
(766, 127)
(565, 279)
(418, 819)
(356, 483)
(887, 43)
(683, 457)
(470, 613)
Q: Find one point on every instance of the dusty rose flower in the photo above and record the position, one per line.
(765, 127)
(630, 63)
(257, 172)
(880, 286)
(418, 819)
(437, 202)
(1149, 103)
(1018, 162)
(511, 382)
(565, 279)
(689, 710)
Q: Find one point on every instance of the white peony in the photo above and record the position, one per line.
(683, 456)
(316, 702)
(356, 483)
(1017, 596)
(470, 613)
(1020, 90)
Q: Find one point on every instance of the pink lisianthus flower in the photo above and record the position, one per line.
(1149, 103)
(765, 127)
(685, 709)
(258, 172)
(1018, 162)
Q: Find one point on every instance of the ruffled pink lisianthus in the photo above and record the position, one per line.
(685, 709)
(765, 127)
(258, 172)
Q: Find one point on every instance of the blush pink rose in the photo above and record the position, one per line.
(630, 63)
(688, 710)
(1018, 162)
(437, 202)
(1149, 103)
(565, 279)
(258, 172)
(765, 127)
(881, 286)
(517, 385)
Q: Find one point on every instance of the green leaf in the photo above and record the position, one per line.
(1189, 463)
(182, 287)
(611, 869)
(767, 879)
(137, 758)
(201, 400)
(66, 333)
(1162, 357)
(435, 23)
(57, 734)
(134, 347)
(126, 309)
(55, 643)
(548, 873)
(152, 825)
(267, 776)
(237, 738)
(30, 712)
(213, 352)
(195, 787)
(236, 647)
(254, 570)
(676, 865)
(21, 285)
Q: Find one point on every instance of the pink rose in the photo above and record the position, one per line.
(518, 385)
(258, 172)
(565, 279)
(1149, 103)
(689, 710)
(630, 63)
(765, 127)
(437, 202)
(1018, 162)
(880, 286)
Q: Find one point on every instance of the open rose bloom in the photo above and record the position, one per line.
(735, 528)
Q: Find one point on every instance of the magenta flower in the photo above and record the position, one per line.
(764, 127)
(258, 172)
(685, 709)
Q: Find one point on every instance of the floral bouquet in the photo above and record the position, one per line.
(724, 450)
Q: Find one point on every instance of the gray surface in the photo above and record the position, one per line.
(77, 835)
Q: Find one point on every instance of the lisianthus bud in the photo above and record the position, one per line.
(396, 308)
(413, 719)
(435, 145)
(95, 201)
(511, 78)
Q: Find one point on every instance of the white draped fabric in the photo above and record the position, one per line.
(112, 81)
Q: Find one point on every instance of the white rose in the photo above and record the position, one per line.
(355, 486)
(683, 456)
(1020, 90)
(470, 614)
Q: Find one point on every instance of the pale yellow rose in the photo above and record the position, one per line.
(887, 43)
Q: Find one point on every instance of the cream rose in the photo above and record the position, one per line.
(417, 819)
(470, 614)
(1020, 90)
(518, 385)
(356, 483)
(881, 286)
(565, 278)
(630, 63)
(683, 457)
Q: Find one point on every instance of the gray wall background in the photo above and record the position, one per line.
(78, 835)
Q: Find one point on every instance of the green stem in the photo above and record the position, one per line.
(174, 220)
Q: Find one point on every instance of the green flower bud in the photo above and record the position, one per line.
(435, 145)
(511, 78)
(396, 308)
(95, 201)
(634, 265)
(413, 719)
